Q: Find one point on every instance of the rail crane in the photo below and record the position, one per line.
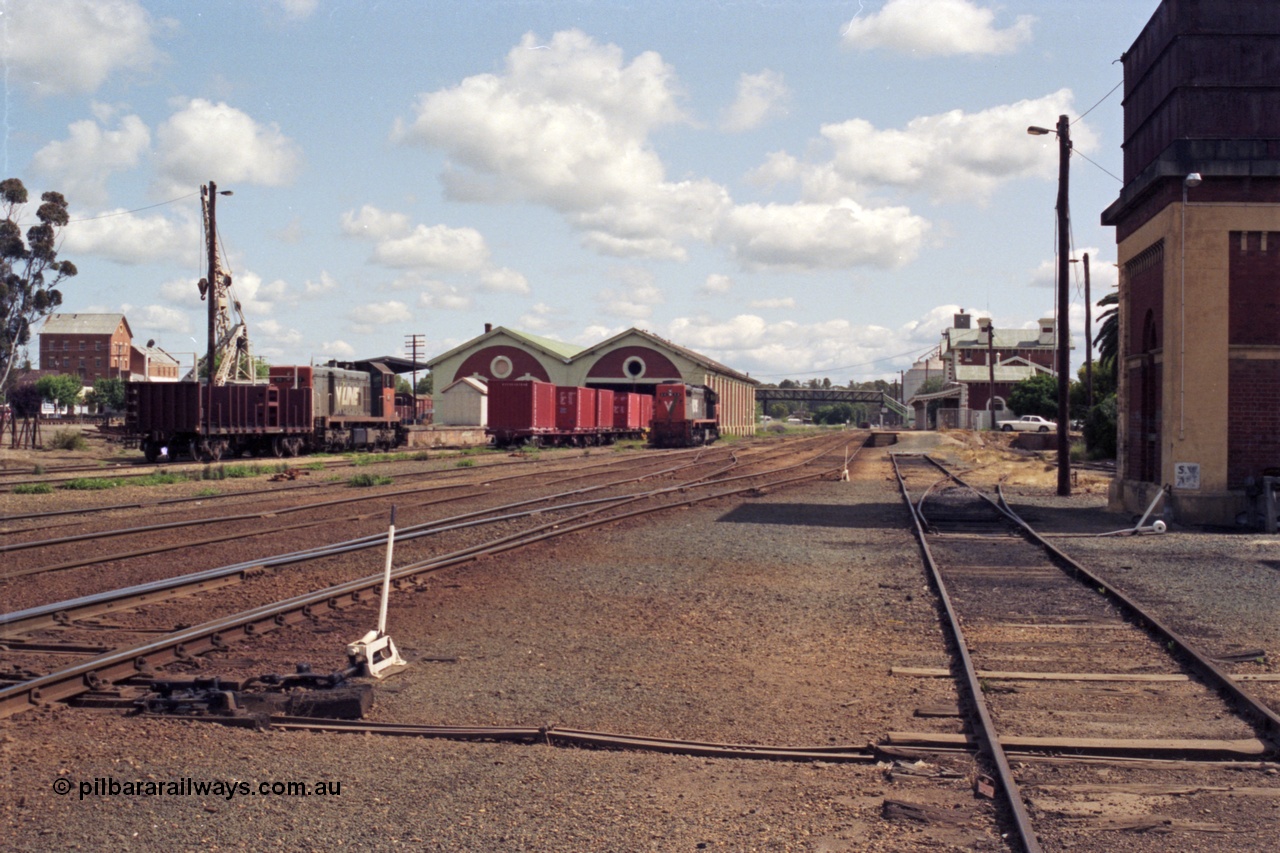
(228, 358)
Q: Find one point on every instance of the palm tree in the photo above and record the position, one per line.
(1108, 338)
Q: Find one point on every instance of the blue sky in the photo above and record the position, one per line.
(797, 189)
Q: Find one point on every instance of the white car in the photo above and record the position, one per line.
(1028, 423)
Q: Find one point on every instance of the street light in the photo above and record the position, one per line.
(1063, 132)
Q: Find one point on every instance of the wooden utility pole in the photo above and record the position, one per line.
(1088, 336)
(1064, 333)
(412, 342)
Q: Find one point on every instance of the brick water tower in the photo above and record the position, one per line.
(1198, 229)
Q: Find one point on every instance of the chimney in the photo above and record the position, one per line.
(1048, 332)
(488, 327)
(961, 320)
(984, 330)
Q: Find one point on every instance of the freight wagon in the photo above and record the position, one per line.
(534, 413)
(297, 410)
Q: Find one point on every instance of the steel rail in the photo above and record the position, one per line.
(303, 487)
(47, 615)
(990, 740)
(264, 513)
(185, 643)
(556, 736)
(1254, 708)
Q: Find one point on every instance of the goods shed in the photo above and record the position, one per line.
(634, 360)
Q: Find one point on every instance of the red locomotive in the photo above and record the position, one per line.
(684, 415)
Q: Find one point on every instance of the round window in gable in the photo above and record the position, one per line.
(633, 367)
(501, 367)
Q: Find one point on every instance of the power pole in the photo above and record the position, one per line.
(1088, 337)
(1064, 333)
(412, 343)
(991, 375)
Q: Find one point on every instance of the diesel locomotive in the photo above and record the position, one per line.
(296, 410)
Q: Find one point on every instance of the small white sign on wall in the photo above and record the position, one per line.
(1186, 475)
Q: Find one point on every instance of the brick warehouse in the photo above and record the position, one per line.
(1198, 230)
(633, 360)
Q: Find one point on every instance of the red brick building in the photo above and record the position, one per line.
(91, 346)
(100, 346)
(1198, 228)
(977, 365)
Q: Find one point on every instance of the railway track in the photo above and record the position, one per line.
(147, 646)
(1058, 670)
(268, 517)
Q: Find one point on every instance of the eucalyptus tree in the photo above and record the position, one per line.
(30, 271)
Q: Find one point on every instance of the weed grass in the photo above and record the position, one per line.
(367, 480)
(68, 439)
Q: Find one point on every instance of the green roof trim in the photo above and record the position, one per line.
(560, 348)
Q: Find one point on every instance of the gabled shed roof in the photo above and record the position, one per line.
(84, 324)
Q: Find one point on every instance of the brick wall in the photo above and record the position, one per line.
(1254, 287)
(1253, 428)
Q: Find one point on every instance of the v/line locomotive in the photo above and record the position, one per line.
(534, 413)
(297, 410)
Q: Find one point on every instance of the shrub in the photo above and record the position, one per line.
(465, 463)
(90, 484)
(32, 489)
(68, 439)
(1100, 429)
(366, 480)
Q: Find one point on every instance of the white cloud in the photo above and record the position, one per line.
(950, 156)
(370, 314)
(448, 299)
(159, 318)
(822, 236)
(539, 318)
(270, 331)
(337, 349)
(255, 298)
(182, 291)
(297, 10)
(635, 299)
(326, 284)
(566, 125)
(370, 223)
(837, 348)
(125, 238)
(434, 247)
(717, 285)
(1103, 275)
(204, 138)
(504, 280)
(58, 47)
(760, 97)
(936, 28)
(81, 164)
(765, 304)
